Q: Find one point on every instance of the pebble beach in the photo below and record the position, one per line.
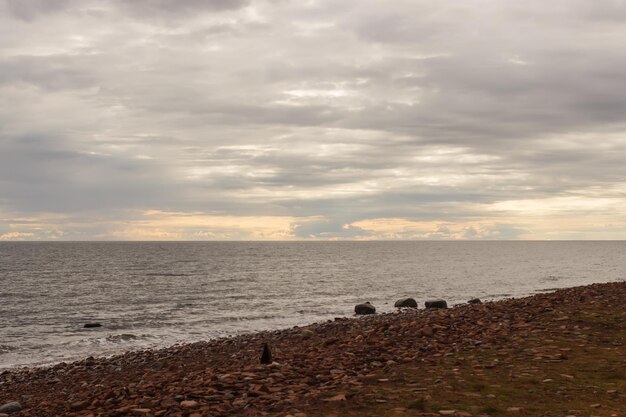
(383, 364)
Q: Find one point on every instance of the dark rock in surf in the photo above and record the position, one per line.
(266, 356)
(12, 407)
(475, 301)
(436, 303)
(92, 325)
(406, 303)
(365, 308)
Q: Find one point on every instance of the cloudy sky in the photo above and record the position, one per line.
(320, 119)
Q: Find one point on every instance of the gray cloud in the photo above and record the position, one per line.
(30, 9)
(338, 112)
(147, 7)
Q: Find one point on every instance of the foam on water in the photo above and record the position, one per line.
(156, 294)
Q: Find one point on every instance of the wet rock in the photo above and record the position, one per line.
(12, 407)
(92, 325)
(365, 308)
(406, 302)
(436, 303)
(475, 301)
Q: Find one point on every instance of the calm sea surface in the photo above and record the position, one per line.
(156, 294)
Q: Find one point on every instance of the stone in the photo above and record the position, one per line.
(475, 301)
(426, 331)
(365, 308)
(406, 303)
(266, 356)
(12, 407)
(307, 334)
(189, 404)
(79, 405)
(338, 397)
(92, 325)
(436, 303)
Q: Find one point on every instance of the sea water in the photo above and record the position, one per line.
(150, 294)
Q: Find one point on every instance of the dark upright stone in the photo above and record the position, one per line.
(266, 356)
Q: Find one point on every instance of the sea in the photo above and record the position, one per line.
(155, 294)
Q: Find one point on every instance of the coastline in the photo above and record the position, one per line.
(332, 367)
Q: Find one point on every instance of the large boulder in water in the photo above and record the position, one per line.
(365, 308)
(475, 301)
(92, 325)
(406, 303)
(436, 303)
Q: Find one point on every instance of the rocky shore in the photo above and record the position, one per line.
(496, 358)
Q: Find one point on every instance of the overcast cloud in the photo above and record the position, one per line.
(281, 119)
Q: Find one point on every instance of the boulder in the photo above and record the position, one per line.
(406, 302)
(12, 407)
(436, 303)
(91, 325)
(365, 308)
(475, 301)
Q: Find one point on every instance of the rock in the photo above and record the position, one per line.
(426, 331)
(365, 308)
(266, 356)
(436, 303)
(189, 404)
(475, 301)
(338, 397)
(12, 407)
(79, 405)
(406, 302)
(307, 334)
(92, 325)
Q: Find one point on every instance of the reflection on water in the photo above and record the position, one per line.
(155, 294)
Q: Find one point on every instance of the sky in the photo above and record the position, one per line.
(312, 120)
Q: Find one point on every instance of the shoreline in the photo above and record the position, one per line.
(386, 309)
(223, 376)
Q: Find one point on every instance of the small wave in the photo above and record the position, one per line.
(546, 290)
(7, 348)
(179, 306)
(550, 278)
(165, 274)
(124, 337)
(251, 318)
